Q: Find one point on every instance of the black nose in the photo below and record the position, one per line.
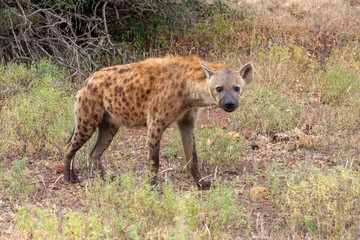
(229, 105)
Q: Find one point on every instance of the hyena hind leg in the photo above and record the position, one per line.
(79, 137)
(107, 131)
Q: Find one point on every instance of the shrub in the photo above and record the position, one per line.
(41, 114)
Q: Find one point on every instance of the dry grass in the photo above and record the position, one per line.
(307, 60)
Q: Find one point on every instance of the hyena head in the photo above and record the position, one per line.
(226, 85)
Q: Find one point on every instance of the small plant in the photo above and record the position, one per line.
(218, 146)
(338, 84)
(16, 180)
(40, 114)
(324, 203)
(266, 110)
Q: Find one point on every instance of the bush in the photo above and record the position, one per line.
(39, 113)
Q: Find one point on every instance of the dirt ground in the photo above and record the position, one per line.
(260, 151)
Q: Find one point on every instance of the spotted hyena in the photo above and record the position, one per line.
(153, 93)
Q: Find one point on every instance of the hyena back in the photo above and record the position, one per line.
(153, 93)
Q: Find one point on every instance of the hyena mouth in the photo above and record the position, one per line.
(229, 110)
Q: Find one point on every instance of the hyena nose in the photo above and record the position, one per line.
(229, 105)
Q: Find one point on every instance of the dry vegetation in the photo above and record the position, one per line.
(285, 165)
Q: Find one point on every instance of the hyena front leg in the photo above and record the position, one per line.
(186, 127)
(154, 135)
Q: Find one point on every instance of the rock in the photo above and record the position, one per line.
(306, 141)
(280, 137)
(254, 146)
(247, 134)
(84, 183)
(59, 169)
(258, 192)
(234, 136)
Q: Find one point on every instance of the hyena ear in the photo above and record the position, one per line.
(247, 72)
(209, 71)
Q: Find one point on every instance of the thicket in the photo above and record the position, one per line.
(85, 35)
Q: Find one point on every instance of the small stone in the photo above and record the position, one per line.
(84, 183)
(280, 137)
(247, 134)
(59, 169)
(258, 192)
(254, 146)
(306, 141)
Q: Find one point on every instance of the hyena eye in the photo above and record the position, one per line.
(237, 89)
(219, 89)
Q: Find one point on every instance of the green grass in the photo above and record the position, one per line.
(128, 209)
(267, 110)
(14, 182)
(325, 202)
(39, 111)
(313, 193)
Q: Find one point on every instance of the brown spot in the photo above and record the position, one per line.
(85, 108)
(138, 104)
(123, 70)
(152, 135)
(151, 78)
(182, 85)
(179, 93)
(148, 91)
(158, 130)
(155, 109)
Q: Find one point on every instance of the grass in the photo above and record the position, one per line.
(126, 209)
(305, 80)
(38, 111)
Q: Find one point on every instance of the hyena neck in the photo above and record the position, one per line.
(199, 95)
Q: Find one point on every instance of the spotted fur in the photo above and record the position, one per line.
(152, 93)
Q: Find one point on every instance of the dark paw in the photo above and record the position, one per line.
(71, 177)
(204, 185)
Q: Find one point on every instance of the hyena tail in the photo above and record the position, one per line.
(71, 136)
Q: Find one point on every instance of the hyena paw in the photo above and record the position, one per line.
(204, 185)
(71, 177)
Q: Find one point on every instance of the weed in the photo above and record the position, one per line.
(324, 203)
(266, 110)
(41, 113)
(15, 182)
(216, 146)
(127, 208)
